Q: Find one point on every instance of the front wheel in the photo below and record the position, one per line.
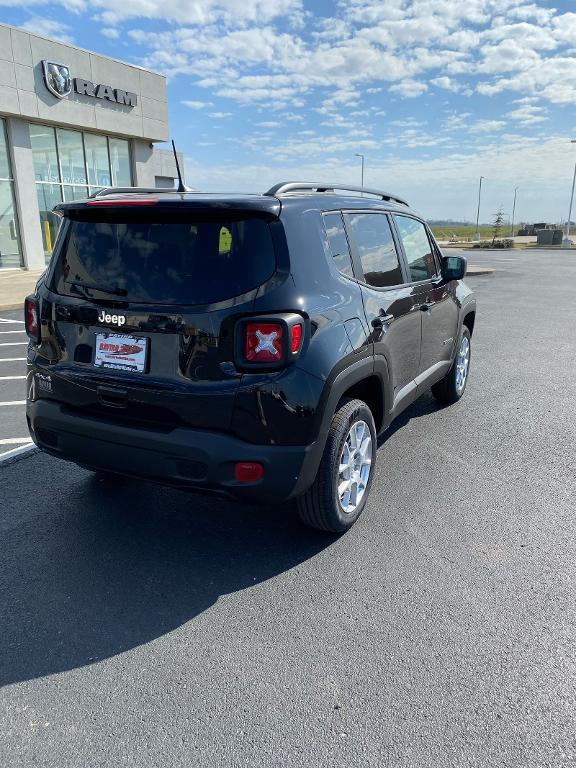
(451, 388)
(340, 491)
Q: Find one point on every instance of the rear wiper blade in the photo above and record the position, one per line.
(103, 289)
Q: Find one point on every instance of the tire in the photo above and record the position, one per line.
(321, 506)
(451, 388)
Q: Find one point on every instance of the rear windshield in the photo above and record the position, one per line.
(164, 262)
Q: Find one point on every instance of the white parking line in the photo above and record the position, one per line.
(5, 333)
(13, 402)
(13, 344)
(11, 378)
(12, 359)
(5, 320)
(15, 440)
(20, 451)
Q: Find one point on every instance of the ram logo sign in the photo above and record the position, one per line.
(57, 78)
(59, 82)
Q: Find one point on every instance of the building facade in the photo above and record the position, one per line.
(71, 122)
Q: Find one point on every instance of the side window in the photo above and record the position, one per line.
(417, 247)
(372, 236)
(338, 242)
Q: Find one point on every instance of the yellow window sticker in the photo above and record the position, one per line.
(225, 240)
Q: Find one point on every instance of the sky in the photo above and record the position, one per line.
(434, 93)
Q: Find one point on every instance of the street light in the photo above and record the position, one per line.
(477, 235)
(567, 243)
(513, 211)
(362, 177)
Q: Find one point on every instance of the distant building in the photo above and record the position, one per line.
(71, 122)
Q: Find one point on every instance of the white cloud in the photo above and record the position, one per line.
(219, 115)
(408, 89)
(553, 80)
(191, 104)
(487, 126)
(447, 83)
(528, 114)
(110, 32)
(49, 28)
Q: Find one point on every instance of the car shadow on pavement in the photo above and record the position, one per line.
(90, 569)
(425, 405)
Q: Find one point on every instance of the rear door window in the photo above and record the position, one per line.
(417, 247)
(338, 242)
(164, 261)
(372, 237)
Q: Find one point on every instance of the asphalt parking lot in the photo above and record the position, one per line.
(13, 343)
(143, 626)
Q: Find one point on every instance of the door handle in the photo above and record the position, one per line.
(382, 319)
(426, 308)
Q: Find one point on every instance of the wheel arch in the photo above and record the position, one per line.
(469, 319)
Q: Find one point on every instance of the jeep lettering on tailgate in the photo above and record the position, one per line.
(118, 320)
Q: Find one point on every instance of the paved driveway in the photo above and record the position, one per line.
(143, 626)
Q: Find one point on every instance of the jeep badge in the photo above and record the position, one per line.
(118, 320)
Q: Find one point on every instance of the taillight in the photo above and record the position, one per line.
(269, 342)
(32, 318)
(264, 342)
(296, 331)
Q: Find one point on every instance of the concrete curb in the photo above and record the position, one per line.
(472, 271)
(17, 454)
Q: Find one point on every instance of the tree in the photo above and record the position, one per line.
(498, 224)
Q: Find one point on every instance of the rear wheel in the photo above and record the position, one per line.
(451, 388)
(340, 491)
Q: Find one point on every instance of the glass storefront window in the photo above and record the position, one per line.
(71, 165)
(4, 161)
(120, 163)
(49, 195)
(71, 150)
(10, 249)
(9, 239)
(97, 160)
(44, 153)
(74, 193)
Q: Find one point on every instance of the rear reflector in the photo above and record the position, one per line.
(264, 342)
(124, 202)
(248, 471)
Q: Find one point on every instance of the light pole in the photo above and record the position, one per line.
(567, 243)
(362, 176)
(513, 211)
(477, 235)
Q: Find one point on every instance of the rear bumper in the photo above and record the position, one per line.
(183, 457)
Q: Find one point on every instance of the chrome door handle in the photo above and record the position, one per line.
(382, 318)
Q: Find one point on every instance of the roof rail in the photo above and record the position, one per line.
(135, 190)
(308, 186)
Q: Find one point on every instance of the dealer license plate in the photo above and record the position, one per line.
(125, 353)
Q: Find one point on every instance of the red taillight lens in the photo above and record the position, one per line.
(264, 342)
(32, 319)
(248, 471)
(296, 337)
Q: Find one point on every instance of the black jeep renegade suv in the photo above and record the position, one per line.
(248, 345)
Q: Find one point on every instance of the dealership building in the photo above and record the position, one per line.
(71, 122)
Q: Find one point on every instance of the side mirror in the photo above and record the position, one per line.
(454, 267)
